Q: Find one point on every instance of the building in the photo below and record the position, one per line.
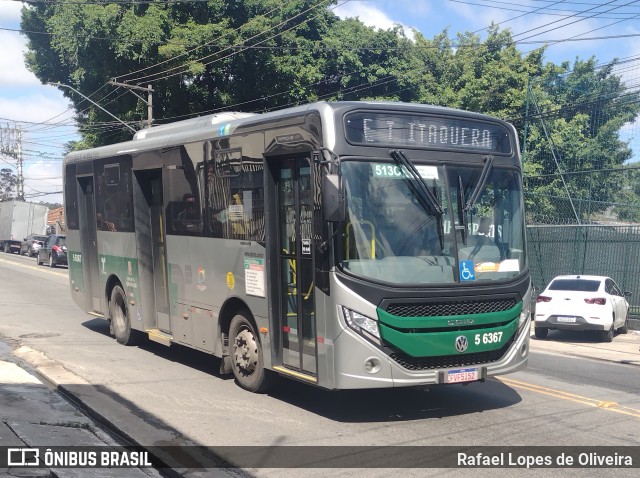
(55, 221)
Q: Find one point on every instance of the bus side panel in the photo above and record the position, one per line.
(201, 281)
(117, 256)
(76, 272)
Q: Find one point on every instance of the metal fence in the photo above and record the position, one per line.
(587, 250)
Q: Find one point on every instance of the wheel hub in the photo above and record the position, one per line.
(245, 352)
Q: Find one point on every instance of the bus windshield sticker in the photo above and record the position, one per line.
(467, 271)
(306, 246)
(388, 170)
(254, 274)
(509, 265)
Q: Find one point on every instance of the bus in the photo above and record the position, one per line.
(347, 245)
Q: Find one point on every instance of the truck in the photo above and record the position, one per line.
(18, 219)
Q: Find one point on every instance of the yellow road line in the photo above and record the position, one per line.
(35, 268)
(572, 397)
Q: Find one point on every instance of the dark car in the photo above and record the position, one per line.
(32, 244)
(53, 251)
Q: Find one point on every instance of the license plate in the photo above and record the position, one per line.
(462, 375)
(566, 319)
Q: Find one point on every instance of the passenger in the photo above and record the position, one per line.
(189, 217)
(103, 225)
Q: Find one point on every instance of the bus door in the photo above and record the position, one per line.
(88, 238)
(151, 241)
(295, 244)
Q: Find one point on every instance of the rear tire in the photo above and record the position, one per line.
(38, 259)
(247, 361)
(121, 318)
(625, 327)
(541, 332)
(607, 335)
(52, 262)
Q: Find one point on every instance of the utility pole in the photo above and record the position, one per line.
(148, 101)
(11, 145)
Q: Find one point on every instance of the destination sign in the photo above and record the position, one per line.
(422, 131)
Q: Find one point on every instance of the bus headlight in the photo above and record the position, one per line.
(362, 324)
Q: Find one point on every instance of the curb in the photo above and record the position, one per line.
(63, 380)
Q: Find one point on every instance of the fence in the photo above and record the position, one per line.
(587, 250)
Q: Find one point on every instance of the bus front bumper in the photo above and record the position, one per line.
(359, 364)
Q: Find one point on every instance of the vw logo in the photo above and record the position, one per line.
(461, 343)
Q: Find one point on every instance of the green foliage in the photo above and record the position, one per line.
(8, 182)
(259, 55)
(582, 108)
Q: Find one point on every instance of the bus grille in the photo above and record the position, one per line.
(448, 361)
(443, 309)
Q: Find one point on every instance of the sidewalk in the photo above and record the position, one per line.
(34, 415)
(625, 348)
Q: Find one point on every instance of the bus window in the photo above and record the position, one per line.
(114, 197)
(235, 202)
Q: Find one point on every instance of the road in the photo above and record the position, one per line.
(174, 396)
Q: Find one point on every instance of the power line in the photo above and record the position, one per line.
(184, 68)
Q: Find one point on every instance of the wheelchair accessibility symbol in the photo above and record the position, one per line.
(467, 271)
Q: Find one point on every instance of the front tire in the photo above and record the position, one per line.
(541, 332)
(121, 318)
(625, 327)
(52, 261)
(38, 262)
(246, 356)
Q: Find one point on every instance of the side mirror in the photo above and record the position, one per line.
(332, 198)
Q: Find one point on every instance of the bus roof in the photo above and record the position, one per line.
(223, 124)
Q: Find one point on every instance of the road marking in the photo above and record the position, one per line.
(35, 268)
(572, 397)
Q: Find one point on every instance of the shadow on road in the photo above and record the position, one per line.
(353, 406)
(400, 404)
(572, 336)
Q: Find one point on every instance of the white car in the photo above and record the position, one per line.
(582, 303)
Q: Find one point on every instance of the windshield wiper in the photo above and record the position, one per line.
(462, 217)
(421, 190)
(484, 175)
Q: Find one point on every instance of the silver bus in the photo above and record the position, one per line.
(346, 245)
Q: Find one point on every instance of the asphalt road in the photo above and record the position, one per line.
(174, 396)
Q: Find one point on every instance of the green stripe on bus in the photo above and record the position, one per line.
(430, 344)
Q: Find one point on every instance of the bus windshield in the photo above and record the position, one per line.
(391, 234)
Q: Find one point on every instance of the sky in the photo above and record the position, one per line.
(27, 104)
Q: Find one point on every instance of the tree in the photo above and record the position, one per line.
(258, 55)
(8, 182)
(583, 108)
(199, 56)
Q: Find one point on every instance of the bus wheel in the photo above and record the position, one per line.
(120, 317)
(246, 356)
